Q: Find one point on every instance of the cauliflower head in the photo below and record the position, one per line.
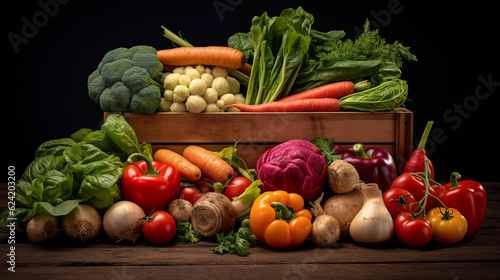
(127, 80)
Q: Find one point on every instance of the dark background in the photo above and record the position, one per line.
(454, 83)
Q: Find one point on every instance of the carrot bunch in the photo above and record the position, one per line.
(196, 161)
(321, 99)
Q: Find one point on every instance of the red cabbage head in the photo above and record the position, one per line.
(295, 166)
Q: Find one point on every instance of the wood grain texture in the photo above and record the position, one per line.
(260, 131)
(102, 258)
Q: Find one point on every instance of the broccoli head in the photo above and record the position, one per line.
(126, 80)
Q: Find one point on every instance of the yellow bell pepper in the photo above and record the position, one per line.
(279, 219)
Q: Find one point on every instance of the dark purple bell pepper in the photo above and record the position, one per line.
(374, 165)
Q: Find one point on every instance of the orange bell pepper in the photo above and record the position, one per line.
(279, 219)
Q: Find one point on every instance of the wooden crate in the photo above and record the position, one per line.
(257, 132)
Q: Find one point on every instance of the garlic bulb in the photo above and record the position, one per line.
(373, 223)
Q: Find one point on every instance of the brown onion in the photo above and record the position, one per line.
(82, 223)
(123, 221)
(42, 228)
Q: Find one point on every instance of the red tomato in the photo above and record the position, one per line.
(160, 228)
(413, 232)
(416, 187)
(236, 187)
(192, 194)
(398, 200)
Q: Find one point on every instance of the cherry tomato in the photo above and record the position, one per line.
(448, 227)
(399, 200)
(416, 187)
(236, 187)
(159, 228)
(414, 232)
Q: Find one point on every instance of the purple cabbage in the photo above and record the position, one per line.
(295, 166)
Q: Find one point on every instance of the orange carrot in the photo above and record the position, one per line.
(246, 69)
(209, 163)
(299, 105)
(213, 55)
(334, 90)
(187, 170)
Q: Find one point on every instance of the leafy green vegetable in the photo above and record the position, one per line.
(118, 137)
(186, 233)
(229, 155)
(97, 175)
(54, 147)
(327, 149)
(238, 242)
(69, 171)
(368, 46)
(328, 57)
(280, 45)
(323, 72)
(367, 56)
(384, 97)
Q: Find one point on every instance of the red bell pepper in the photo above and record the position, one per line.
(374, 165)
(150, 184)
(469, 198)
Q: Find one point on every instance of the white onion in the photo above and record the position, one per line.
(123, 221)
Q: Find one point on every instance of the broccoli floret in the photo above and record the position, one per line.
(146, 101)
(148, 61)
(126, 81)
(136, 78)
(143, 48)
(96, 86)
(113, 71)
(116, 54)
(115, 99)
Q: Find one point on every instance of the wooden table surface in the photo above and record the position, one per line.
(477, 258)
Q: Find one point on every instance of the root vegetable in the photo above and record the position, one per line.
(123, 221)
(342, 176)
(180, 209)
(213, 213)
(42, 228)
(344, 207)
(373, 223)
(82, 223)
(325, 228)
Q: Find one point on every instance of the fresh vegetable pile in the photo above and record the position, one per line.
(301, 189)
(281, 65)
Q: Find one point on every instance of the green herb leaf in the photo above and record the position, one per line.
(236, 242)
(327, 149)
(186, 233)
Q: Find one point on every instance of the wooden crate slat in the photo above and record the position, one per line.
(257, 132)
(263, 127)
